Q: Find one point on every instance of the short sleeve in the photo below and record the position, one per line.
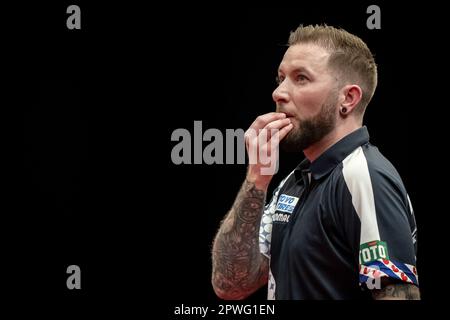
(384, 221)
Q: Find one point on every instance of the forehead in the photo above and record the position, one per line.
(309, 56)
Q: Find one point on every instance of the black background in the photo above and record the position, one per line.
(98, 187)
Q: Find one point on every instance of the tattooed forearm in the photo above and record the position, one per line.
(239, 268)
(398, 291)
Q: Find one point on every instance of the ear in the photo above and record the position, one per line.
(352, 95)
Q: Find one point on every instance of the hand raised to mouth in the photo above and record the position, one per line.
(262, 141)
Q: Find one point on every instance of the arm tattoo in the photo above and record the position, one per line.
(397, 291)
(239, 268)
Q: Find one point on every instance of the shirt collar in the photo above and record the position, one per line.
(334, 155)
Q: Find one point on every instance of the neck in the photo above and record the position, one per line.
(314, 151)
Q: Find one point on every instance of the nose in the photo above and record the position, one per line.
(280, 94)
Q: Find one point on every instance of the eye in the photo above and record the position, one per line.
(279, 79)
(301, 78)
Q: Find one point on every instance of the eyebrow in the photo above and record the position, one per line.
(298, 69)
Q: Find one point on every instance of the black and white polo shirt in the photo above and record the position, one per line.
(336, 226)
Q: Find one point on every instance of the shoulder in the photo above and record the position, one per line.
(366, 166)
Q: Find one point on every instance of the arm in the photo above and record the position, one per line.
(239, 268)
(397, 291)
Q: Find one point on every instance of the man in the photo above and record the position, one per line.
(341, 225)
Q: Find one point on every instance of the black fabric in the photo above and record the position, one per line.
(315, 249)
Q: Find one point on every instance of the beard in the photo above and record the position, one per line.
(309, 131)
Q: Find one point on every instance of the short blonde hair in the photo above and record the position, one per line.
(349, 57)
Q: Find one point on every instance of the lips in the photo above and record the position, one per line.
(288, 114)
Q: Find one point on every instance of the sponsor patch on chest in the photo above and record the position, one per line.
(286, 203)
(285, 206)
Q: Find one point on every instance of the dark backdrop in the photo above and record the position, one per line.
(99, 187)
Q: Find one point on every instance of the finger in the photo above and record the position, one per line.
(263, 139)
(284, 131)
(269, 139)
(275, 139)
(252, 132)
(264, 119)
(274, 126)
(277, 124)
